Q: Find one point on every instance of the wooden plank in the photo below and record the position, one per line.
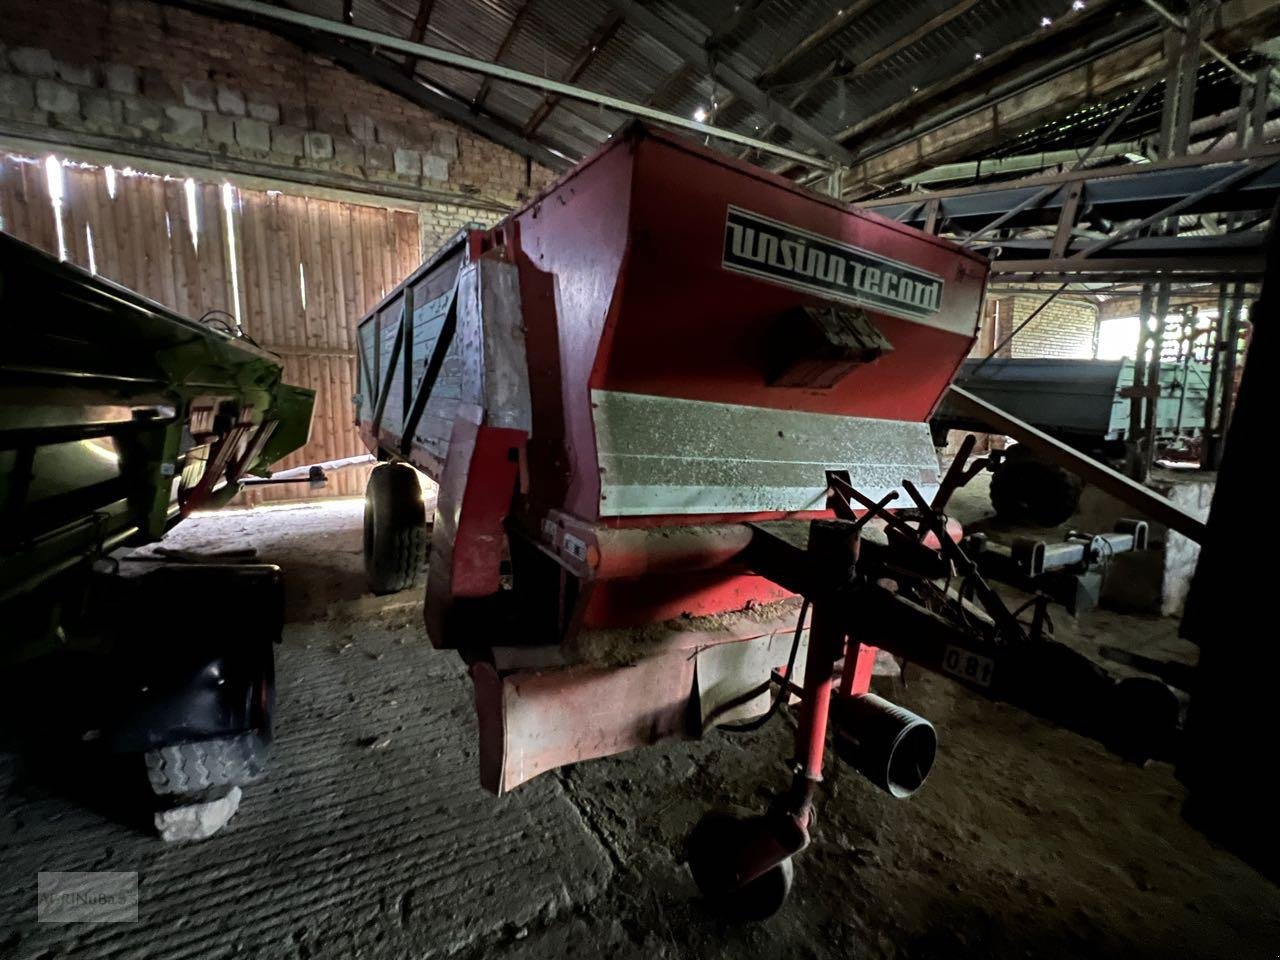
(260, 312)
(179, 268)
(159, 245)
(213, 248)
(25, 204)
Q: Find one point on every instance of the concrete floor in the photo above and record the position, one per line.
(371, 838)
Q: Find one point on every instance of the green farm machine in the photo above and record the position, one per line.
(118, 418)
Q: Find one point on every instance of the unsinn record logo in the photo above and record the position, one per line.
(774, 251)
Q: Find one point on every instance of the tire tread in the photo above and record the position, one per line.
(182, 768)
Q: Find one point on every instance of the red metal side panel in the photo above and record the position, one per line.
(625, 289)
(531, 722)
(689, 327)
(572, 244)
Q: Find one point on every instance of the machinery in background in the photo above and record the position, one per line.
(118, 418)
(1069, 571)
(1086, 404)
(675, 405)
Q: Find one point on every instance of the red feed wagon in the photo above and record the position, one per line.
(662, 403)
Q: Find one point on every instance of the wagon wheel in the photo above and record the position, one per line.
(714, 849)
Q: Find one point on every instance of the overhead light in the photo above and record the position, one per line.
(1046, 22)
(1077, 5)
(977, 56)
(700, 115)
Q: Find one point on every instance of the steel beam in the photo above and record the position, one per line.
(718, 39)
(692, 50)
(1125, 272)
(389, 75)
(1029, 165)
(883, 53)
(1251, 169)
(795, 101)
(1044, 70)
(1209, 266)
(845, 16)
(1116, 193)
(919, 33)
(668, 83)
(469, 64)
(1213, 51)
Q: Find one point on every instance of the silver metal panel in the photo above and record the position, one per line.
(490, 341)
(665, 455)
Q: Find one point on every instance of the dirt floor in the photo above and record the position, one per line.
(371, 838)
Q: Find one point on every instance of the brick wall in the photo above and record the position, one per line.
(1065, 328)
(149, 80)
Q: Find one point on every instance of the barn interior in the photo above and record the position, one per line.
(636, 478)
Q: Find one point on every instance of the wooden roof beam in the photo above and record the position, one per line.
(503, 48)
(418, 32)
(691, 50)
(590, 50)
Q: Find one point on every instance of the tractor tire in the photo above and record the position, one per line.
(191, 768)
(395, 528)
(1027, 490)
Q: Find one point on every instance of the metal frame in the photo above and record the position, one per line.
(693, 51)
(470, 64)
(508, 38)
(584, 58)
(1135, 199)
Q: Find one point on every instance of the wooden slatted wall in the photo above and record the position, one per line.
(345, 256)
(25, 210)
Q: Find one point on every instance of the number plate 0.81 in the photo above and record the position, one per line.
(968, 666)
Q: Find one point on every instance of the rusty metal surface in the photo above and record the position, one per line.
(532, 722)
(733, 679)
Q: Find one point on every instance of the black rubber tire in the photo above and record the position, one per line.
(395, 528)
(186, 768)
(1027, 490)
(709, 849)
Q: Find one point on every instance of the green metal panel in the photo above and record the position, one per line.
(98, 390)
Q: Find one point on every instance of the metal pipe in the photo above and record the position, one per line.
(1211, 447)
(1230, 360)
(474, 65)
(888, 744)
(1209, 48)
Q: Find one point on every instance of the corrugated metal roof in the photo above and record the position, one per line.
(752, 36)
